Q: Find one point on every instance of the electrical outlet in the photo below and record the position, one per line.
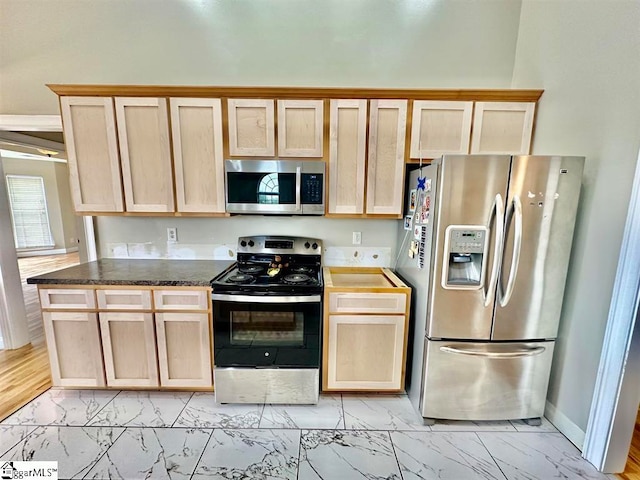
(357, 238)
(172, 234)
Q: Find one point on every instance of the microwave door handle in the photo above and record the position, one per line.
(298, 188)
(498, 209)
(515, 257)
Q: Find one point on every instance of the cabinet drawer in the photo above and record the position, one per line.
(67, 298)
(124, 299)
(367, 302)
(181, 299)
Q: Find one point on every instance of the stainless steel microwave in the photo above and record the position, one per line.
(276, 187)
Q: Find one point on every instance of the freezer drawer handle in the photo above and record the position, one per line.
(498, 209)
(525, 352)
(515, 257)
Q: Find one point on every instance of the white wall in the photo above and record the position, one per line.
(217, 238)
(374, 43)
(586, 56)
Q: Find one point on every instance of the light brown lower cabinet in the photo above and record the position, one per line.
(366, 321)
(73, 341)
(183, 349)
(129, 349)
(366, 352)
(130, 338)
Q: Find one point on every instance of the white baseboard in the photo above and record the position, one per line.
(37, 253)
(564, 425)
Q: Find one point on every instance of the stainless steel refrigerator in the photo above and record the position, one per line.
(485, 243)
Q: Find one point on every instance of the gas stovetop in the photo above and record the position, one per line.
(273, 265)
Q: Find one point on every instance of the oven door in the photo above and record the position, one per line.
(267, 331)
(263, 186)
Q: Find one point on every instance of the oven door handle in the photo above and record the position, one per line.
(266, 298)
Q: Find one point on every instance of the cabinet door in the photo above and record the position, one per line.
(92, 153)
(439, 128)
(129, 347)
(73, 343)
(196, 129)
(385, 176)
(143, 134)
(251, 127)
(347, 142)
(300, 127)
(184, 351)
(366, 352)
(503, 127)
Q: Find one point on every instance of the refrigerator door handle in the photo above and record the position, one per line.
(498, 210)
(515, 257)
(472, 351)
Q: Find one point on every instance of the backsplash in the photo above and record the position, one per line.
(216, 238)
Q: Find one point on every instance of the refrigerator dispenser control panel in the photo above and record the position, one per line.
(469, 241)
(465, 255)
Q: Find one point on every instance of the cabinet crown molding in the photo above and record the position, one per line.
(494, 95)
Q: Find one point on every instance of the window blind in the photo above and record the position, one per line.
(29, 215)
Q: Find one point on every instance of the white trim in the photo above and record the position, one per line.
(564, 425)
(31, 123)
(615, 398)
(38, 253)
(90, 238)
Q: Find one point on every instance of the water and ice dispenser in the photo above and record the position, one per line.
(465, 253)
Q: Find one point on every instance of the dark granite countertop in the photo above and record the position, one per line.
(110, 271)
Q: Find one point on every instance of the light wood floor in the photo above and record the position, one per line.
(632, 470)
(25, 372)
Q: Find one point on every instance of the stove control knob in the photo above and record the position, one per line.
(307, 245)
(243, 243)
(251, 243)
(314, 246)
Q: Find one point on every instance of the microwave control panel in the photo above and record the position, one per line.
(311, 188)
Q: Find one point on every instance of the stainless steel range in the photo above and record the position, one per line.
(267, 316)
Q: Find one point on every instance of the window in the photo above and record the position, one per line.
(268, 189)
(29, 211)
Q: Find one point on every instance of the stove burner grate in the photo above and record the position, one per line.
(241, 278)
(297, 278)
(251, 269)
(301, 269)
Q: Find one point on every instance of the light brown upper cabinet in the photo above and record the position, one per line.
(300, 128)
(385, 176)
(502, 127)
(92, 151)
(251, 127)
(143, 134)
(439, 128)
(196, 129)
(347, 143)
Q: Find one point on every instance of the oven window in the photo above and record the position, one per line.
(267, 328)
(254, 334)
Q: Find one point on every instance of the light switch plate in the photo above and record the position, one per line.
(357, 238)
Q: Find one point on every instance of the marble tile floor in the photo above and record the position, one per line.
(179, 435)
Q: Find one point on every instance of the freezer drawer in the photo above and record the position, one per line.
(485, 381)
